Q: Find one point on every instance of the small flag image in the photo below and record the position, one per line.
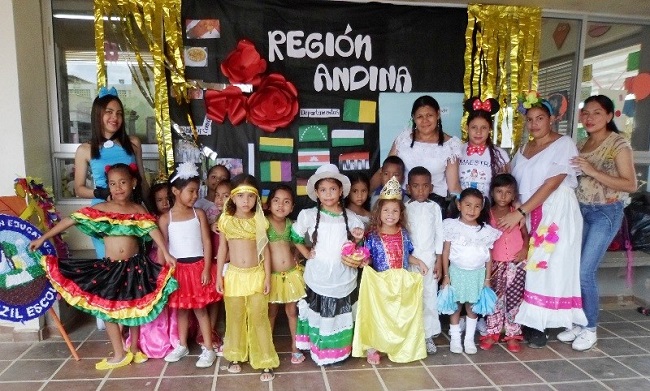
(353, 161)
(362, 111)
(275, 171)
(265, 195)
(347, 137)
(301, 187)
(312, 133)
(311, 159)
(276, 145)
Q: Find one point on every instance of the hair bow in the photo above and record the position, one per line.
(485, 106)
(132, 167)
(105, 91)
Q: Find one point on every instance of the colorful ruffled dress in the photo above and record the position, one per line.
(389, 313)
(131, 291)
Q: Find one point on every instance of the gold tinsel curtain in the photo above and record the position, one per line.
(501, 61)
(158, 23)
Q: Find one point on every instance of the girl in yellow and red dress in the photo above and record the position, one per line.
(389, 313)
(187, 231)
(125, 287)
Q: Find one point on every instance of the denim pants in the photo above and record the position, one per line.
(601, 223)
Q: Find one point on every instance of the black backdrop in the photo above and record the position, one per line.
(428, 42)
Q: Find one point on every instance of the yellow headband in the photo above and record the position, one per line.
(244, 189)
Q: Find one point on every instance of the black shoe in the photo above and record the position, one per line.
(537, 339)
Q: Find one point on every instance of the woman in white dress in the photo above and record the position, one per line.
(547, 181)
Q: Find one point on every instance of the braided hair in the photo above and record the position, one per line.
(426, 100)
(497, 163)
(314, 236)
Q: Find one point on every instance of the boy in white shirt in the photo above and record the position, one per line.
(425, 227)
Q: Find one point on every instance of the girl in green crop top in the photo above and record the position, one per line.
(287, 284)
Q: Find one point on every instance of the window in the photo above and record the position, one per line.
(75, 72)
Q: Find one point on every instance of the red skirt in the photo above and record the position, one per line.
(191, 294)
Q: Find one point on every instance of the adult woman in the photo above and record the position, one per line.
(549, 205)
(109, 144)
(428, 146)
(607, 179)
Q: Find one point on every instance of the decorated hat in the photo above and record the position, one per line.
(392, 190)
(327, 171)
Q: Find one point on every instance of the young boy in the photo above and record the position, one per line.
(392, 166)
(425, 227)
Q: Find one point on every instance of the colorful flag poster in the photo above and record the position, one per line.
(311, 158)
(276, 145)
(312, 133)
(275, 171)
(362, 111)
(301, 187)
(353, 161)
(347, 137)
(265, 196)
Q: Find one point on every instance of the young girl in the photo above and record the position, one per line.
(508, 274)
(465, 259)
(325, 316)
(158, 337)
(188, 234)
(287, 284)
(389, 316)
(246, 282)
(358, 200)
(143, 286)
(480, 159)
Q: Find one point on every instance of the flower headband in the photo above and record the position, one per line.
(105, 91)
(132, 167)
(532, 99)
(185, 170)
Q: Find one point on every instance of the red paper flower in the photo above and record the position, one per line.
(244, 64)
(274, 104)
(229, 101)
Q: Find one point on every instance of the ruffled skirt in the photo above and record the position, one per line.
(131, 292)
(191, 293)
(287, 287)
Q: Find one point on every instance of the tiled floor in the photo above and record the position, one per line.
(621, 361)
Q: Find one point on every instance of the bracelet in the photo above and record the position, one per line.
(521, 211)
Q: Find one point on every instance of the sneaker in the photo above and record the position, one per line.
(537, 339)
(431, 346)
(584, 341)
(206, 359)
(179, 352)
(481, 326)
(470, 346)
(569, 335)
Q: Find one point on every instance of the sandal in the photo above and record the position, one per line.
(105, 365)
(139, 358)
(372, 356)
(297, 358)
(267, 375)
(234, 367)
(643, 311)
(487, 341)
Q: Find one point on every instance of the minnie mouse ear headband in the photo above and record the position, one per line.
(105, 91)
(131, 166)
(185, 170)
(323, 172)
(489, 105)
(530, 99)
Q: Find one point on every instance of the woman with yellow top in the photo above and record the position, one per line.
(246, 282)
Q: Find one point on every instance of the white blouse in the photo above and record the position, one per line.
(326, 274)
(552, 161)
(470, 244)
(433, 157)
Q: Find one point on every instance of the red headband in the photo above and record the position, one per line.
(132, 167)
(485, 106)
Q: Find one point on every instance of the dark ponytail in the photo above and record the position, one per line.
(314, 236)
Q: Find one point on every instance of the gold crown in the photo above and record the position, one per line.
(392, 190)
